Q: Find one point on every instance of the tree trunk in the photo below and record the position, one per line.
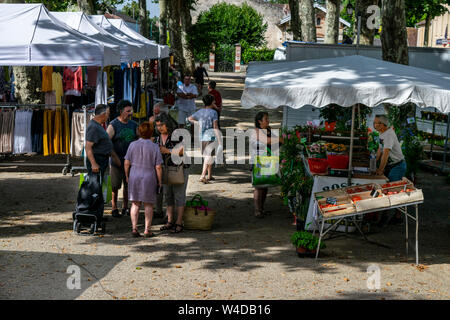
(27, 81)
(308, 20)
(367, 32)
(394, 38)
(174, 27)
(332, 21)
(295, 20)
(87, 6)
(427, 30)
(186, 25)
(163, 21)
(143, 19)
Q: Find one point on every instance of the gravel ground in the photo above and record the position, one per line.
(241, 258)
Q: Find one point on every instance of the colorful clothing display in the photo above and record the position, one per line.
(101, 92)
(55, 137)
(37, 131)
(47, 79)
(57, 86)
(6, 131)
(22, 132)
(77, 133)
(72, 80)
(92, 76)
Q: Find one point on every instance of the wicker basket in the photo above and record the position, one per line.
(198, 218)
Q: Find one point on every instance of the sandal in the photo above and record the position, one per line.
(135, 233)
(176, 230)
(168, 226)
(204, 180)
(211, 179)
(149, 234)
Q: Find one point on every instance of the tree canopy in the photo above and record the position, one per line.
(226, 24)
(418, 10)
(62, 5)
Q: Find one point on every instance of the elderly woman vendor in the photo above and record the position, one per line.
(392, 163)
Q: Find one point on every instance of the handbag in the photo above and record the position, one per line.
(265, 172)
(172, 175)
(197, 215)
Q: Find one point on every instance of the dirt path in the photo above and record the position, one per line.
(241, 258)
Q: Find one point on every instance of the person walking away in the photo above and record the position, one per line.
(122, 131)
(175, 195)
(199, 78)
(217, 99)
(186, 93)
(99, 147)
(392, 163)
(143, 171)
(259, 141)
(207, 119)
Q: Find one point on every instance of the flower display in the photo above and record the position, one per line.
(335, 148)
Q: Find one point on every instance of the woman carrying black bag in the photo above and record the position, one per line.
(175, 194)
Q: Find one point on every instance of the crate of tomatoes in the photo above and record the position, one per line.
(367, 197)
(402, 192)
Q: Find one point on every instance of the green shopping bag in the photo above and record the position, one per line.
(266, 171)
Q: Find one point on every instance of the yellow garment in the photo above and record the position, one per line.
(57, 86)
(47, 79)
(57, 132)
(66, 132)
(48, 132)
(143, 108)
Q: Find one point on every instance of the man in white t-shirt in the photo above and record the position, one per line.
(186, 93)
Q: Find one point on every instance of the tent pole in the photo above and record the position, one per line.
(446, 143)
(352, 134)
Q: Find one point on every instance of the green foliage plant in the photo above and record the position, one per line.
(304, 239)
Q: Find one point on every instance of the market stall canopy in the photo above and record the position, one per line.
(82, 23)
(104, 23)
(31, 36)
(345, 81)
(153, 51)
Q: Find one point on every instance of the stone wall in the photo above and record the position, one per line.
(272, 14)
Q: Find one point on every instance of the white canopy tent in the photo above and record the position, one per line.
(30, 36)
(103, 23)
(345, 81)
(82, 23)
(156, 51)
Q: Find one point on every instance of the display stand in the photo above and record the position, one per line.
(67, 165)
(352, 202)
(325, 183)
(320, 221)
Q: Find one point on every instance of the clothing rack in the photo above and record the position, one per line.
(67, 166)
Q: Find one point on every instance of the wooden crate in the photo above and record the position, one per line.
(402, 197)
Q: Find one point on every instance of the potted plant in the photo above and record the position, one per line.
(296, 185)
(305, 243)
